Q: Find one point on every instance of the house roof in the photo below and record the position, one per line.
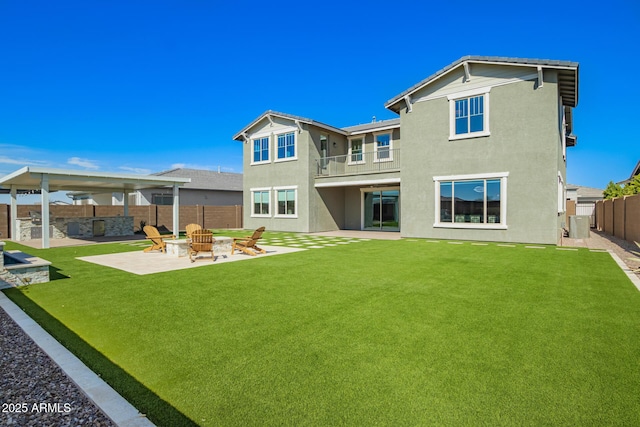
(373, 126)
(586, 192)
(636, 171)
(567, 78)
(240, 136)
(349, 130)
(205, 179)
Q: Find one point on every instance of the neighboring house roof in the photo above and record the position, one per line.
(206, 179)
(636, 171)
(567, 79)
(298, 119)
(586, 192)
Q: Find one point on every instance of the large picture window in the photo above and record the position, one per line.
(286, 146)
(471, 201)
(261, 150)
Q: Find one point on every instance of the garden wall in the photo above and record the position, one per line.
(620, 217)
(156, 215)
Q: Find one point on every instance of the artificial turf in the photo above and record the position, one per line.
(406, 332)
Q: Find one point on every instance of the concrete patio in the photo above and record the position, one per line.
(141, 263)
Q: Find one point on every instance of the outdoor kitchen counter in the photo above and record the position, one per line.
(30, 228)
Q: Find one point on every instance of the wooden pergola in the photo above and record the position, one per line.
(47, 180)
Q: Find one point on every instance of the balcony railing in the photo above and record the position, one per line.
(360, 163)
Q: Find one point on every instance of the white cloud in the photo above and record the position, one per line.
(141, 171)
(83, 163)
(21, 162)
(10, 161)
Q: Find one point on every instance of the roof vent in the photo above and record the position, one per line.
(373, 119)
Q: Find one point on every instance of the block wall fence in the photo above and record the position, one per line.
(157, 215)
(620, 217)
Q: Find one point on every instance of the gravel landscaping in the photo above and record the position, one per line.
(34, 391)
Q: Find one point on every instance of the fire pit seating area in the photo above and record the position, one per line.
(180, 247)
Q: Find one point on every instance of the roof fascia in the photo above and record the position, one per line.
(374, 130)
(117, 180)
(297, 120)
(464, 63)
(12, 175)
(403, 96)
(636, 171)
(267, 115)
(330, 128)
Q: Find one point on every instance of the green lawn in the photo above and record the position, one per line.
(406, 332)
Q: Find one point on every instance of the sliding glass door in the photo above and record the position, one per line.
(381, 210)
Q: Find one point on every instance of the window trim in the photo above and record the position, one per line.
(502, 176)
(260, 190)
(350, 154)
(484, 91)
(282, 132)
(295, 201)
(253, 139)
(375, 147)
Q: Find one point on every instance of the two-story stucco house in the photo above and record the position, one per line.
(478, 152)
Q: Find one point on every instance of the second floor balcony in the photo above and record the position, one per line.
(360, 163)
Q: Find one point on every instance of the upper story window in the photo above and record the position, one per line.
(356, 150)
(261, 150)
(286, 146)
(469, 114)
(383, 147)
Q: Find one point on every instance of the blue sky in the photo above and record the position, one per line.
(145, 86)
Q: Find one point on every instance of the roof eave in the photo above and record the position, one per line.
(395, 103)
(241, 136)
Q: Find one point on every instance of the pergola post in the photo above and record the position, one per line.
(176, 210)
(14, 213)
(44, 185)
